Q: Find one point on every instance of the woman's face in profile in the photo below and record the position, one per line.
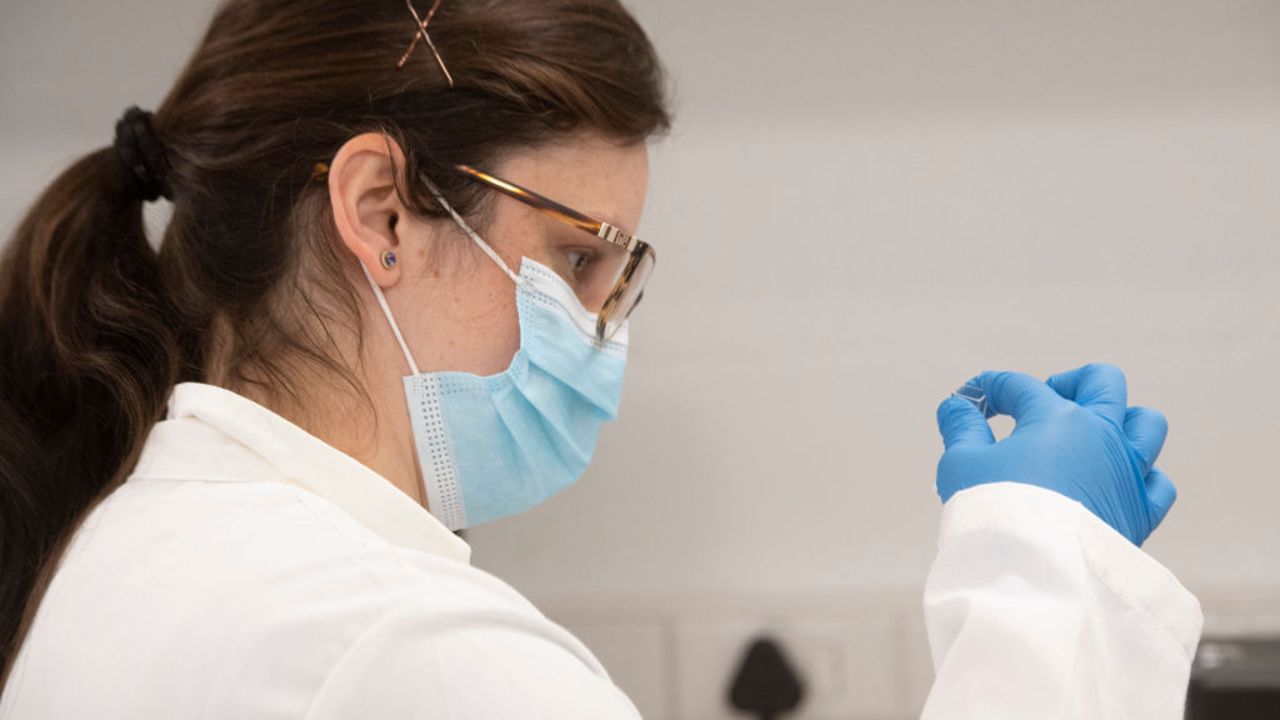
(454, 305)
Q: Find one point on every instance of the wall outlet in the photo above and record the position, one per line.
(851, 668)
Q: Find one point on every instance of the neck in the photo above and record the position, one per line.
(371, 428)
(378, 435)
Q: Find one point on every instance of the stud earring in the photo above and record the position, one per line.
(388, 259)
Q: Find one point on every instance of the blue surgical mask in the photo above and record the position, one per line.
(493, 446)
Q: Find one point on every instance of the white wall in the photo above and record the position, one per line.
(866, 203)
(863, 204)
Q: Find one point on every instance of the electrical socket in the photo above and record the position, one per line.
(851, 668)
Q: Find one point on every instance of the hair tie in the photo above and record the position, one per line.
(142, 156)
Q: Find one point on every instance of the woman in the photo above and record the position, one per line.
(231, 466)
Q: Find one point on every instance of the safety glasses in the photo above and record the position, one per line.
(632, 271)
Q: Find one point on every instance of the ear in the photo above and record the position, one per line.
(366, 210)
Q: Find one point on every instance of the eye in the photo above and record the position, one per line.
(579, 260)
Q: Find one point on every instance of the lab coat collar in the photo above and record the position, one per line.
(211, 433)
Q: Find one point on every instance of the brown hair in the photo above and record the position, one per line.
(96, 326)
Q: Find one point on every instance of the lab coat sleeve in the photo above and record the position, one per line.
(1035, 608)
(468, 665)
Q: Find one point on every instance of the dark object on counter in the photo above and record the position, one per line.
(1235, 679)
(765, 685)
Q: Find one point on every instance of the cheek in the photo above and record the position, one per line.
(464, 322)
(505, 339)
(490, 327)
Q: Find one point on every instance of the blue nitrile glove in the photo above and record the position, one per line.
(1074, 435)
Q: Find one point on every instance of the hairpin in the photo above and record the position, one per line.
(421, 34)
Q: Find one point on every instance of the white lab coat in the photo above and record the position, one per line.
(248, 570)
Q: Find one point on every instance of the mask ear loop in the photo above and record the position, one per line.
(386, 310)
(408, 356)
(473, 235)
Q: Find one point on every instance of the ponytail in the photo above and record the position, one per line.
(88, 354)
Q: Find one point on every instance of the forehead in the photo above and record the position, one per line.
(588, 172)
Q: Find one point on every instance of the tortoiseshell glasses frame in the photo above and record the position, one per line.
(629, 287)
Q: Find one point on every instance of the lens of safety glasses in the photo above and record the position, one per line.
(630, 296)
(596, 280)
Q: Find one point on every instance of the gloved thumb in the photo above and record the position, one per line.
(1161, 494)
(962, 423)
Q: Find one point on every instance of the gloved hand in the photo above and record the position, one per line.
(1074, 435)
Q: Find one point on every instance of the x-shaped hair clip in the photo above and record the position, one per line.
(421, 34)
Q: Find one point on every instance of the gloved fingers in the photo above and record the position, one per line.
(1100, 387)
(1016, 394)
(977, 396)
(1146, 429)
(1161, 493)
(962, 423)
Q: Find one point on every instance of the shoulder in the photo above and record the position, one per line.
(224, 593)
(303, 598)
(473, 663)
(259, 538)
